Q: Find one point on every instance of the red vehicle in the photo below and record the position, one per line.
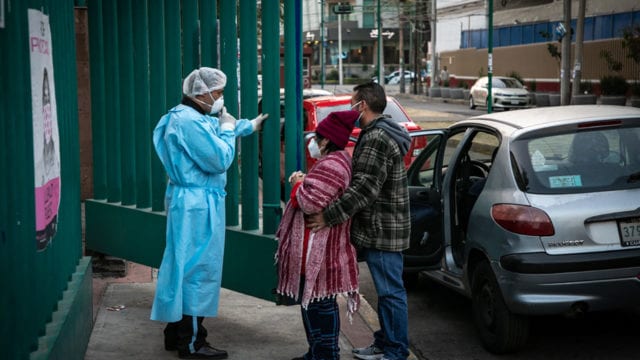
(315, 109)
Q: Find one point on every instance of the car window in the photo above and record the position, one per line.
(452, 143)
(426, 172)
(483, 146)
(580, 161)
(324, 111)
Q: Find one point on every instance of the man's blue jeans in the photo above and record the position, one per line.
(386, 271)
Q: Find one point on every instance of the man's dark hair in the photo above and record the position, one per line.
(373, 94)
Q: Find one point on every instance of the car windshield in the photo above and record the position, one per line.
(581, 161)
(392, 109)
(506, 83)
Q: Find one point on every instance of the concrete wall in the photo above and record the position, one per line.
(535, 62)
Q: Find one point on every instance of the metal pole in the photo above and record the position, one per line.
(401, 50)
(249, 109)
(98, 114)
(229, 65)
(490, 56)
(566, 56)
(158, 92)
(340, 48)
(381, 79)
(577, 67)
(293, 129)
(322, 48)
(434, 55)
(142, 105)
(271, 129)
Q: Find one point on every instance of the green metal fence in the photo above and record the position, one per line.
(46, 293)
(140, 52)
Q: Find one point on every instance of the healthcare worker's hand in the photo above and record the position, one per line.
(227, 121)
(257, 122)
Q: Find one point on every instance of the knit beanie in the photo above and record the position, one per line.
(337, 126)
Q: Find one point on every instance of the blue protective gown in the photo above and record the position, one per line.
(196, 155)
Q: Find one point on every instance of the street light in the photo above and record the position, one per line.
(340, 9)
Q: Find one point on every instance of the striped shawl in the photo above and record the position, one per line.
(331, 265)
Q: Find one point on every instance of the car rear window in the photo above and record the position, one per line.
(392, 109)
(579, 161)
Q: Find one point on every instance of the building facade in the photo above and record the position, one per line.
(523, 32)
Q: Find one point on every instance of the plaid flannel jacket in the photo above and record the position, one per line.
(378, 197)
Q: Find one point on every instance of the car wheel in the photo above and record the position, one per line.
(472, 105)
(500, 330)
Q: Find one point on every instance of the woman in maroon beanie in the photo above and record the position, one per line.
(313, 268)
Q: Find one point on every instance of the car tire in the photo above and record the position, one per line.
(472, 105)
(500, 330)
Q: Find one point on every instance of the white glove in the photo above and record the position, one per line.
(227, 121)
(257, 122)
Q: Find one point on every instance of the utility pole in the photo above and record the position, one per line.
(566, 56)
(401, 48)
(577, 67)
(490, 56)
(381, 79)
(322, 49)
(340, 48)
(434, 55)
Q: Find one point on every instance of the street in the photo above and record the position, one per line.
(441, 322)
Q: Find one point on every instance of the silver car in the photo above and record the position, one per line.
(531, 212)
(506, 93)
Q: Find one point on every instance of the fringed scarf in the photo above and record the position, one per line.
(331, 265)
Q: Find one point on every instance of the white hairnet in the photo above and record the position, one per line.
(203, 80)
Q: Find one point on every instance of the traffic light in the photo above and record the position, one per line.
(342, 9)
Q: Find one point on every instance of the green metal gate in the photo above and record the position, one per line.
(140, 51)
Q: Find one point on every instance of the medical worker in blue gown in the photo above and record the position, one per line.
(196, 144)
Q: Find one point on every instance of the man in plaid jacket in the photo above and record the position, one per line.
(377, 200)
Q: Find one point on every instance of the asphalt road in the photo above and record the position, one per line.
(441, 327)
(440, 320)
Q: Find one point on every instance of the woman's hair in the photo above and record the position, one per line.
(331, 147)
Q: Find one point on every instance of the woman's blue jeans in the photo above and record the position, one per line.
(386, 271)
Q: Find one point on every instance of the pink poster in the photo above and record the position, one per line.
(46, 139)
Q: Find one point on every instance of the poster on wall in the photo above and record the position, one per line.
(46, 139)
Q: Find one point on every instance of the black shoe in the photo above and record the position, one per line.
(205, 352)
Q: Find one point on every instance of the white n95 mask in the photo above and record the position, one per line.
(217, 105)
(314, 150)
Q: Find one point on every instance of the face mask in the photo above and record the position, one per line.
(217, 104)
(357, 123)
(314, 150)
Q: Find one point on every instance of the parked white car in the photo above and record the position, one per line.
(506, 93)
(395, 78)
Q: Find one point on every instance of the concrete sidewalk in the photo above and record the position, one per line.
(246, 327)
